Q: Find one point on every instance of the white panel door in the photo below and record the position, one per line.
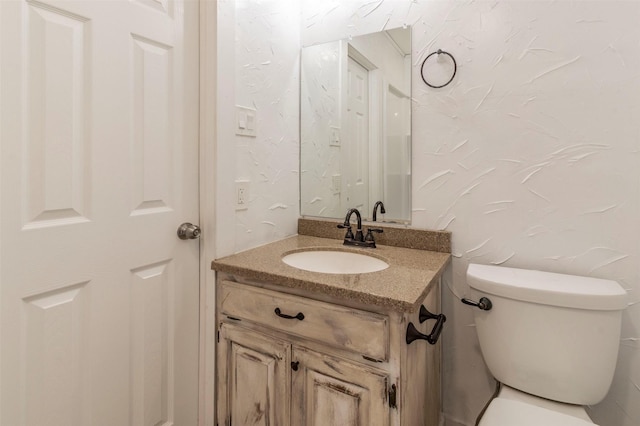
(357, 159)
(98, 134)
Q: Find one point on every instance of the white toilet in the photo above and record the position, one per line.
(551, 340)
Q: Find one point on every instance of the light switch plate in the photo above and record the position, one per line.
(245, 121)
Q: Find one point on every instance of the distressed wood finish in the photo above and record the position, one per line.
(333, 381)
(359, 331)
(420, 387)
(331, 391)
(254, 378)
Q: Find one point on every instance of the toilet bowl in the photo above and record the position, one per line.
(512, 407)
(550, 339)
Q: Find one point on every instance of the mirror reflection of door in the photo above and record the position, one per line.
(356, 162)
(355, 126)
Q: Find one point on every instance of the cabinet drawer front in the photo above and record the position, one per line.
(359, 331)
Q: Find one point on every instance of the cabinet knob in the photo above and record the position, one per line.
(294, 365)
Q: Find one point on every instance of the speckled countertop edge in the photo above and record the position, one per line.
(400, 287)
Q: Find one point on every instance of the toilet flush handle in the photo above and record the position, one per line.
(484, 303)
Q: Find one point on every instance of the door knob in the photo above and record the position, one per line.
(188, 231)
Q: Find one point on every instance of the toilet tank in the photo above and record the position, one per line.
(551, 335)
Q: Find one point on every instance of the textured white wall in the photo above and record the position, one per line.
(530, 157)
(259, 46)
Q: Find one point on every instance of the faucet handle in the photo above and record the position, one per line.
(349, 234)
(370, 231)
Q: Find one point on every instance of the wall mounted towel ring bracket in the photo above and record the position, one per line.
(438, 52)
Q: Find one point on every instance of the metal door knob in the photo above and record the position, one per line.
(188, 231)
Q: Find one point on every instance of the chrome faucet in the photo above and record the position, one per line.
(375, 209)
(359, 239)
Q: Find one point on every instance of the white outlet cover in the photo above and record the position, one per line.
(336, 184)
(242, 194)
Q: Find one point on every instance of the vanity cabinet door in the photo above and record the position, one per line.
(331, 391)
(254, 376)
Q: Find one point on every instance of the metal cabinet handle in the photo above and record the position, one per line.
(484, 303)
(299, 316)
(432, 338)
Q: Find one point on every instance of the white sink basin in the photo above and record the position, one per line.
(334, 262)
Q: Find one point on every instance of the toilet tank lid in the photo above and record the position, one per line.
(547, 288)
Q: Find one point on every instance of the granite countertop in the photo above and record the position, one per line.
(401, 286)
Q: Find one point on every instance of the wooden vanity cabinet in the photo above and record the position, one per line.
(322, 362)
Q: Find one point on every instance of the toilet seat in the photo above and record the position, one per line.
(508, 412)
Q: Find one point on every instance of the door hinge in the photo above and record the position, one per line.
(393, 394)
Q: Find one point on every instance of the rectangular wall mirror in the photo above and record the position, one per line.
(355, 126)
